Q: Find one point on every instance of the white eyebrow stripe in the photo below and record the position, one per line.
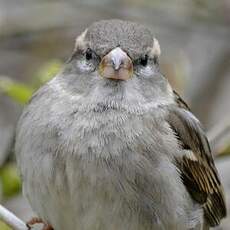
(155, 50)
(80, 41)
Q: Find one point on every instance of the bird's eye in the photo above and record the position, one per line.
(144, 60)
(89, 54)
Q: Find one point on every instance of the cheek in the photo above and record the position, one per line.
(84, 67)
(147, 71)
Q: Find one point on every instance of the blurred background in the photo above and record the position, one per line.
(37, 36)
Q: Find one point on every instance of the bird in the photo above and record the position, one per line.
(108, 144)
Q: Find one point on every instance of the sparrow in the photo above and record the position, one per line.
(108, 144)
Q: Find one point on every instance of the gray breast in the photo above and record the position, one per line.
(114, 165)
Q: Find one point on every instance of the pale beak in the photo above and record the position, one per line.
(116, 65)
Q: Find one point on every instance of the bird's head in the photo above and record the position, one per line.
(115, 57)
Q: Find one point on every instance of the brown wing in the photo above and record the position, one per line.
(180, 102)
(197, 169)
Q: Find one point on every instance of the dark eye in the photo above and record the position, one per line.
(144, 60)
(89, 54)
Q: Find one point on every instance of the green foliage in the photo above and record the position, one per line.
(10, 180)
(3, 226)
(17, 91)
(21, 93)
(48, 71)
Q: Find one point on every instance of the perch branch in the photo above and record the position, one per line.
(11, 220)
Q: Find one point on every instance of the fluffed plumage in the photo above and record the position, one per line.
(99, 153)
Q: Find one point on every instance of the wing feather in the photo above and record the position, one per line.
(198, 172)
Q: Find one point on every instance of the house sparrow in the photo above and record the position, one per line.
(107, 144)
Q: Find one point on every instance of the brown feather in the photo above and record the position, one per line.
(198, 172)
(180, 102)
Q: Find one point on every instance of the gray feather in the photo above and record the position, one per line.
(97, 154)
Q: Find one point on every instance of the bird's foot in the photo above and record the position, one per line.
(47, 227)
(36, 220)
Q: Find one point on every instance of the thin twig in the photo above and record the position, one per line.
(219, 136)
(10, 219)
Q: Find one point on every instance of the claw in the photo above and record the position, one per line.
(47, 227)
(36, 220)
